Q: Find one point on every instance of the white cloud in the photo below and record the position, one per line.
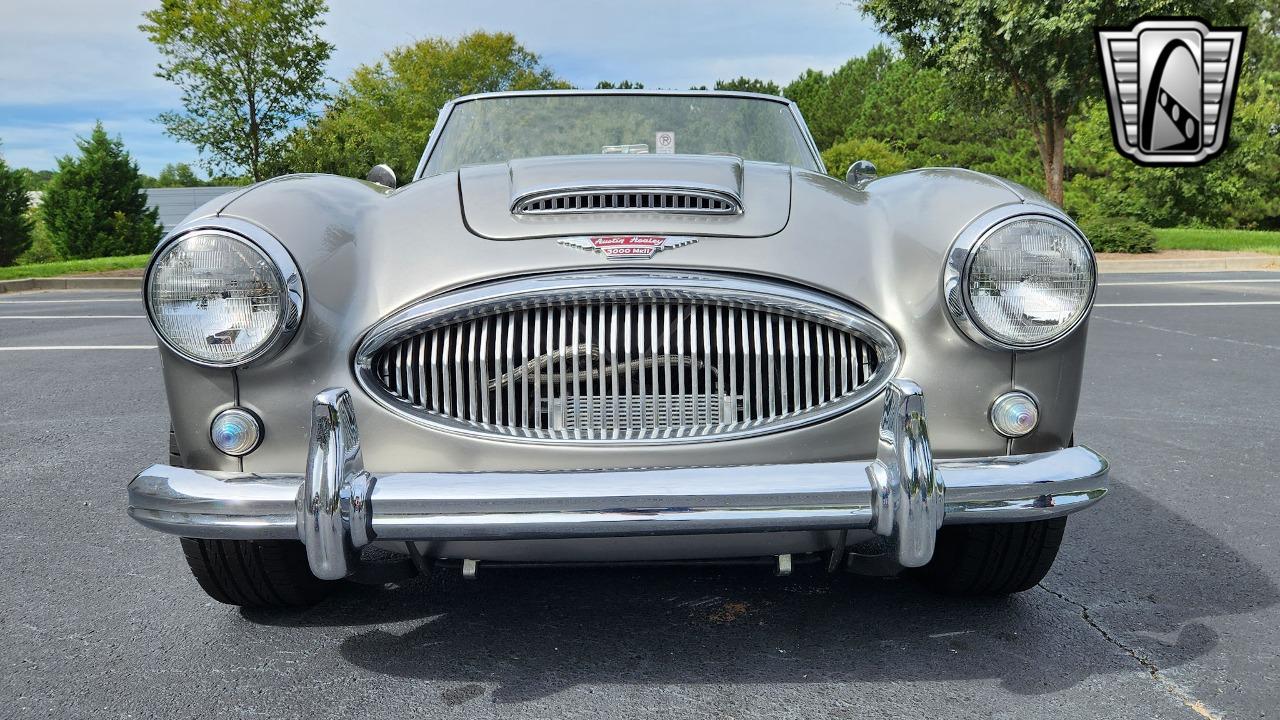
(57, 51)
(668, 43)
(64, 63)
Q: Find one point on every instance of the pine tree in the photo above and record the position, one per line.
(15, 226)
(95, 207)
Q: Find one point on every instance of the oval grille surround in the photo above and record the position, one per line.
(626, 357)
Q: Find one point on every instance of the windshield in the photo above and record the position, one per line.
(501, 128)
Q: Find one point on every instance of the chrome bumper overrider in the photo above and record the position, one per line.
(338, 507)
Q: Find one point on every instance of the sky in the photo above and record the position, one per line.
(66, 63)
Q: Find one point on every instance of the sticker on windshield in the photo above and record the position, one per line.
(637, 149)
(665, 142)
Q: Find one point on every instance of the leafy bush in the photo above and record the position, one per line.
(840, 156)
(1120, 235)
(42, 249)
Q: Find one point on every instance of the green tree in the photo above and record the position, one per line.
(903, 116)
(15, 226)
(176, 175)
(832, 103)
(809, 92)
(95, 207)
(1043, 52)
(248, 70)
(624, 85)
(384, 112)
(746, 84)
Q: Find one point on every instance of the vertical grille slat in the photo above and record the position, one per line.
(708, 390)
(747, 355)
(510, 370)
(459, 383)
(821, 352)
(734, 363)
(548, 374)
(759, 387)
(641, 367)
(666, 361)
(628, 373)
(681, 392)
(575, 383)
(642, 358)
(602, 363)
(536, 362)
(720, 366)
(473, 363)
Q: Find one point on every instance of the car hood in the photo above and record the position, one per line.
(490, 193)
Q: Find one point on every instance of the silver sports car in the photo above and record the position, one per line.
(620, 326)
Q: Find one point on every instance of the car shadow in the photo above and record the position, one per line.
(535, 632)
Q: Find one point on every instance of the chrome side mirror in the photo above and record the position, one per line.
(861, 173)
(384, 176)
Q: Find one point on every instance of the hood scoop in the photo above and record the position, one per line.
(619, 194)
(627, 183)
(628, 198)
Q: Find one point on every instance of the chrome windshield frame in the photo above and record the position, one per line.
(447, 111)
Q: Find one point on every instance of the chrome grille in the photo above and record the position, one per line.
(622, 199)
(626, 357)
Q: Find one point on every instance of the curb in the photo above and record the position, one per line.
(1189, 265)
(71, 283)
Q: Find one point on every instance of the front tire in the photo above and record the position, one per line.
(255, 573)
(993, 559)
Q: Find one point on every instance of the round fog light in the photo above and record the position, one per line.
(236, 432)
(1014, 414)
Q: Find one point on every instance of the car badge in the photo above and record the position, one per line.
(628, 247)
(1170, 83)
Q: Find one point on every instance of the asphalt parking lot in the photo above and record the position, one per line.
(1163, 602)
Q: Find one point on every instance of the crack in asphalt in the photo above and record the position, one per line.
(1180, 693)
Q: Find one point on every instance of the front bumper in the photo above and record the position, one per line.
(337, 507)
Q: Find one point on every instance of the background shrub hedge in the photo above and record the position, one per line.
(1121, 235)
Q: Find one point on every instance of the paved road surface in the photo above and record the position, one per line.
(1163, 602)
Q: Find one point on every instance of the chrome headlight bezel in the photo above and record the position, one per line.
(965, 248)
(292, 295)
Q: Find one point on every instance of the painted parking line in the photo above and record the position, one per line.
(1233, 303)
(1186, 282)
(73, 317)
(78, 347)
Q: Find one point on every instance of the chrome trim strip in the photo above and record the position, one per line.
(902, 494)
(559, 289)
(292, 300)
(960, 257)
(443, 116)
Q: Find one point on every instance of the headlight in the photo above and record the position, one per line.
(219, 299)
(1020, 281)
